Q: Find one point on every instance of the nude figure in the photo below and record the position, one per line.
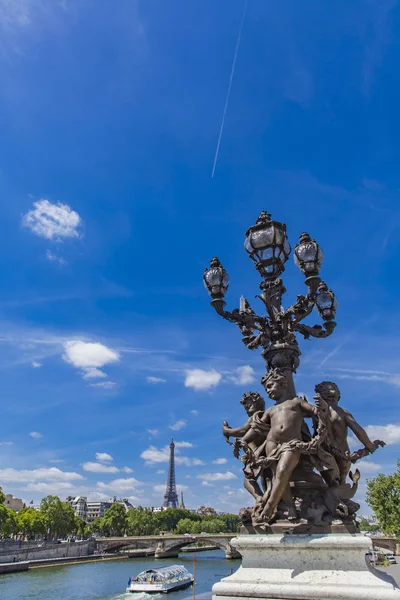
(339, 420)
(284, 442)
(253, 402)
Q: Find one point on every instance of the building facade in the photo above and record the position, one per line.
(79, 504)
(96, 510)
(13, 503)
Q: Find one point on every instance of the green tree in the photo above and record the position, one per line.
(142, 521)
(383, 496)
(10, 525)
(213, 525)
(30, 522)
(231, 522)
(186, 526)
(8, 521)
(167, 520)
(115, 520)
(2, 496)
(97, 526)
(59, 517)
(80, 527)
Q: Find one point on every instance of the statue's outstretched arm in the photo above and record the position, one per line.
(359, 431)
(236, 432)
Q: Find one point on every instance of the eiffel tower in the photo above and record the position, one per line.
(170, 496)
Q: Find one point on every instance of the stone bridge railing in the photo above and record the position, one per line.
(167, 546)
(387, 543)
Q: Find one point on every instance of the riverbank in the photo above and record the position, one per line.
(6, 568)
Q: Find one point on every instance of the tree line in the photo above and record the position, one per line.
(56, 519)
(143, 521)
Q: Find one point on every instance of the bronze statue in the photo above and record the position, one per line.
(282, 427)
(280, 457)
(339, 420)
(253, 402)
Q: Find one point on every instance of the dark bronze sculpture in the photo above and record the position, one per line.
(298, 480)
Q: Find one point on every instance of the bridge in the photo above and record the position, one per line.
(167, 546)
(387, 543)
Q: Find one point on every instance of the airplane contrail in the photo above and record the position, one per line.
(229, 87)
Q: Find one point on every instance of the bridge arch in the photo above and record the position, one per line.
(167, 546)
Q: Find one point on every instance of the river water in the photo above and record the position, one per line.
(108, 580)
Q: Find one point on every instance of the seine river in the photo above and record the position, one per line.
(108, 580)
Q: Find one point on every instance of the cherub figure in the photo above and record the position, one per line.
(284, 444)
(253, 403)
(338, 422)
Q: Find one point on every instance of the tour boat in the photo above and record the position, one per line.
(162, 580)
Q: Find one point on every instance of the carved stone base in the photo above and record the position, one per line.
(305, 567)
(288, 527)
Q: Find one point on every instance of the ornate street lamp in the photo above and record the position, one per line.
(267, 245)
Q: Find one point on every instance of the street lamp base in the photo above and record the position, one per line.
(305, 567)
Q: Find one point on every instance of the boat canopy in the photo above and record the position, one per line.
(163, 573)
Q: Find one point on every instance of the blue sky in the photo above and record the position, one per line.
(110, 114)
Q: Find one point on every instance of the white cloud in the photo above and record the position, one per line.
(127, 470)
(178, 425)
(36, 435)
(198, 379)
(243, 375)
(153, 432)
(206, 484)
(94, 373)
(52, 221)
(56, 461)
(217, 476)
(119, 486)
(194, 412)
(160, 488)
(156, 380)
(152, 455)
(35, 364)
(37, 475)
(106, 385)
(160, 472)
(6, 443)
(103, 456)
(387, 433)
(55, 487)
(89, 354)
(55, 258)
(220, 461)
(188, 462)
(367, 467)
(94, 467)
(183, 445)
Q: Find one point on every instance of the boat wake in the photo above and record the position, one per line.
(137, 596)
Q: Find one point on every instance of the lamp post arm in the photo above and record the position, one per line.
(300, 309)
(317, 331)
(247, 318)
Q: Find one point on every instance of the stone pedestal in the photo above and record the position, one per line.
(305, 567)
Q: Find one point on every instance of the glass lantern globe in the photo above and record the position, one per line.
(267, 245)
(216, 279)
(308, 256)
(325, 302)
